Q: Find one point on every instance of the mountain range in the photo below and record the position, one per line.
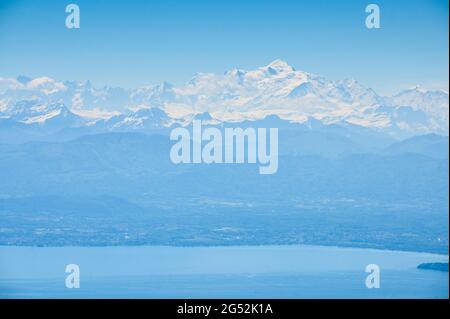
(38, 108)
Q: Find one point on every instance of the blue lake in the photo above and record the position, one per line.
(298, 271)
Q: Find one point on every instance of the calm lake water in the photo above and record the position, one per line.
(214, 272)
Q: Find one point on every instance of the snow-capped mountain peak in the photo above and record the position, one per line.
(45, 85)
(279, 66)
(432, 102)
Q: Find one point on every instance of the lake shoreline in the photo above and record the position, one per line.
(234, 246)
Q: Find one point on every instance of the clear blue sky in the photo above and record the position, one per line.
(131, 43)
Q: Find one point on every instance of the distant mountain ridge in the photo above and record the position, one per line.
(431, 144)
(235, 96)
